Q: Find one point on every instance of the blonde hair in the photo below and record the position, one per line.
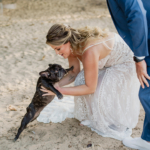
(60, 34)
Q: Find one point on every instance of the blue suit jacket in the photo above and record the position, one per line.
(132, 20)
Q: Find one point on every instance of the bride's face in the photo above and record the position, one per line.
(63, 50)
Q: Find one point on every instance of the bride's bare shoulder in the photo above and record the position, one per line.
(93, 46)
(92, 40)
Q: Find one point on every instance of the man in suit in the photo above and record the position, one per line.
(132, 21)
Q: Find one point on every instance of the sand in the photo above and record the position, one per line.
(23, 54)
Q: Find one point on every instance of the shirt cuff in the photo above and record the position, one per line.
(141, 57)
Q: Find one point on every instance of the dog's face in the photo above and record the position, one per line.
(55, 72)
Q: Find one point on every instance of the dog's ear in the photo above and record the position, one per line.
(50, 65)
(43, 73)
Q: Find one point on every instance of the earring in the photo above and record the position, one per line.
(71, 50)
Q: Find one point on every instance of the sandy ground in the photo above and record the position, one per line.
(23, 54)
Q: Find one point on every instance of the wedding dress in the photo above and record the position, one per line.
(113, 109)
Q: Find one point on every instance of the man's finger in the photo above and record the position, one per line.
(145, 81)
(147, 76)
(141, 82)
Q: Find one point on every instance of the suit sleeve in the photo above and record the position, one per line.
(135, 15)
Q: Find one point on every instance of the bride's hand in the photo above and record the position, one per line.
(57, 86)
(47, 92)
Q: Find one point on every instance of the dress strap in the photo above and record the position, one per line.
(107, 46)
(98, 44)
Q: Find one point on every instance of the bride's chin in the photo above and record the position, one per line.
(65, 57)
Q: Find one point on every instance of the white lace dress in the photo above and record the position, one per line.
(113, 110)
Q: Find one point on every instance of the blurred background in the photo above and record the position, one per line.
(47, 9)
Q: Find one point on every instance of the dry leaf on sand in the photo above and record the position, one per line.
(11, 108)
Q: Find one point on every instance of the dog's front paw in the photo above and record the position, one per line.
(60, 96)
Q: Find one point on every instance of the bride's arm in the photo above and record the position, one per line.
(90, 63)
(70, 77)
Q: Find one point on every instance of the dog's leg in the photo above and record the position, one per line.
(26, 119)
(59, 95)
(51, 88)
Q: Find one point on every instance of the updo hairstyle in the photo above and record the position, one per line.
(60, 34)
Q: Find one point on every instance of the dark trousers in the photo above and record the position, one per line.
(144, 95)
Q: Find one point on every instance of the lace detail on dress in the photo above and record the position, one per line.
(112, 111)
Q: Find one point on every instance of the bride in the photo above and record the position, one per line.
(106, 90)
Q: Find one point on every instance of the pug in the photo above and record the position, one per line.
(47, 78)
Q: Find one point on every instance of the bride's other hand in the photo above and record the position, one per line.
(47, 92)
(57, 86)
(141, 69)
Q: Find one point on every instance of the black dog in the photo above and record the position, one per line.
(47, 78)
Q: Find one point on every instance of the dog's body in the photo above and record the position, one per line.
(48, 77)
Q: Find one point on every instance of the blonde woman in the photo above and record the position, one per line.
(106, 90)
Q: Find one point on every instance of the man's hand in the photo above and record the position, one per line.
(141, 70)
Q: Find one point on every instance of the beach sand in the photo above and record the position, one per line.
(23, 54)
